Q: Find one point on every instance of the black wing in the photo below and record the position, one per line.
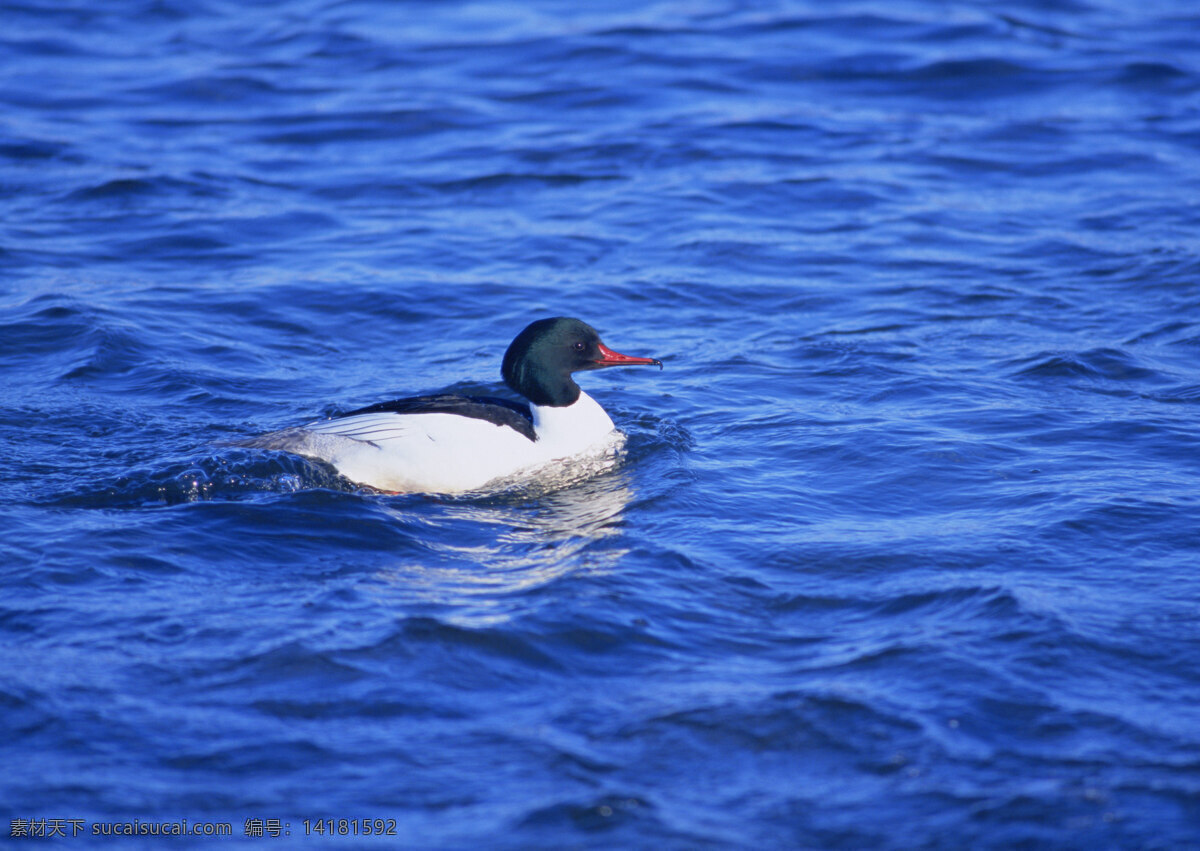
(493, 409)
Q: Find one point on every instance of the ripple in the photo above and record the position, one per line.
(232, 475)
(1103, 364)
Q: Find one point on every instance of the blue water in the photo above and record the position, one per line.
(904, 552)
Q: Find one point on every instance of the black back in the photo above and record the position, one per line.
(493, 409)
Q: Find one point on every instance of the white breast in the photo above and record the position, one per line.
(563, 432)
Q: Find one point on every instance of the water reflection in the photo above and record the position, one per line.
(485, 556)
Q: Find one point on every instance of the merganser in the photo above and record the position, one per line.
(449, 443)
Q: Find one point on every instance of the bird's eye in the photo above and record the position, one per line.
(579, 346)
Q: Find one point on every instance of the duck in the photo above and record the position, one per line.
(448, 443)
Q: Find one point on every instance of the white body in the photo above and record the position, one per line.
(446, 453)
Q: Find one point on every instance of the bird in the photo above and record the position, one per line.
(449, 443)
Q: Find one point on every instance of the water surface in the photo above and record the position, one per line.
(903, 553)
